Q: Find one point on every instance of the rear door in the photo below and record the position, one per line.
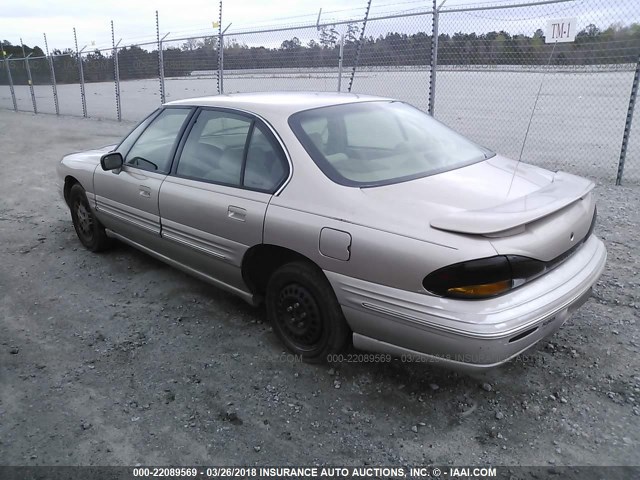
(127, 200)
(214, 202)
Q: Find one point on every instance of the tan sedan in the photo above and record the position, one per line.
(354, 218)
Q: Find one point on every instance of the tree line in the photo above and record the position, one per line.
(616, 44)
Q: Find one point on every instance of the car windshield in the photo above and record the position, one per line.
(381, 142)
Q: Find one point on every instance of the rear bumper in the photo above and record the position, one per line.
(471, 335)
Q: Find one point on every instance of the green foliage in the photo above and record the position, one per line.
(16, 50)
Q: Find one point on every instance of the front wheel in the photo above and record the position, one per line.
(305, 313)
(88, 228)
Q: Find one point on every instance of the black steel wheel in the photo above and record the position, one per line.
(88, 228)
(305, 313)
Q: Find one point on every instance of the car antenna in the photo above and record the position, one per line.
(533, 110)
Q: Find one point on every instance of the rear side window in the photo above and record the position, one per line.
(214, 150)
(266, 166)
(234, 150)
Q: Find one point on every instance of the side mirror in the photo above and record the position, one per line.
(111, 161)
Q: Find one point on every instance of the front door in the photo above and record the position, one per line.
(127, 200)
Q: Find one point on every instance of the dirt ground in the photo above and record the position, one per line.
(118, 359)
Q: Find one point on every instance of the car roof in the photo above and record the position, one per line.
(276, 103)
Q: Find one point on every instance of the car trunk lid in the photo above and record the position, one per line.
(563, 190)
(533, 212)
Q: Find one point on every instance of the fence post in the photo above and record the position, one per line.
(29, 79)
(359, 46)
(54, 86)
(627, 125)
(13, 93)
(340, 56)
(221, 66)
(220, 53)
(160, 60)
(81, 72)
(163, 93)
(116, 72)
(434, 57)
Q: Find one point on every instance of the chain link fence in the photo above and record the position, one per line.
(487, 71)
(7, 91)
(67, 76)
(298, 59)
(97, 70)
(488, 82)
(16, 75)
(395, 59)
(191, 67)
(139, 83)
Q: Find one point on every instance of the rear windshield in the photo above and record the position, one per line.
(382, 142)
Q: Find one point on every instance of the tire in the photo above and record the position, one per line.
(88, 228)
(305, 313)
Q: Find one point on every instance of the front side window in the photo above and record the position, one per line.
(233, 150)
(130, 139)
(378, 143)
(152, 150)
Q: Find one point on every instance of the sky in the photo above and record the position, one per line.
(134, 20)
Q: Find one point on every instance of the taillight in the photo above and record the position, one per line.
(493, 276)
(483, 278)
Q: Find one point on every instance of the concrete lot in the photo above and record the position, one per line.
(117, 359)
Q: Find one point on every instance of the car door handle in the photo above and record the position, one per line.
(145, 191)
(237, 213)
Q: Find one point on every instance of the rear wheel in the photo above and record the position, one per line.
(88, 228)
(305, 313)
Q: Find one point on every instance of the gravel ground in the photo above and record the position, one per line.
(118, 359)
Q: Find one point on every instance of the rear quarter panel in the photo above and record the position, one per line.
(376, 256)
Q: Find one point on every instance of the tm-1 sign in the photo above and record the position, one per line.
(561, 30)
